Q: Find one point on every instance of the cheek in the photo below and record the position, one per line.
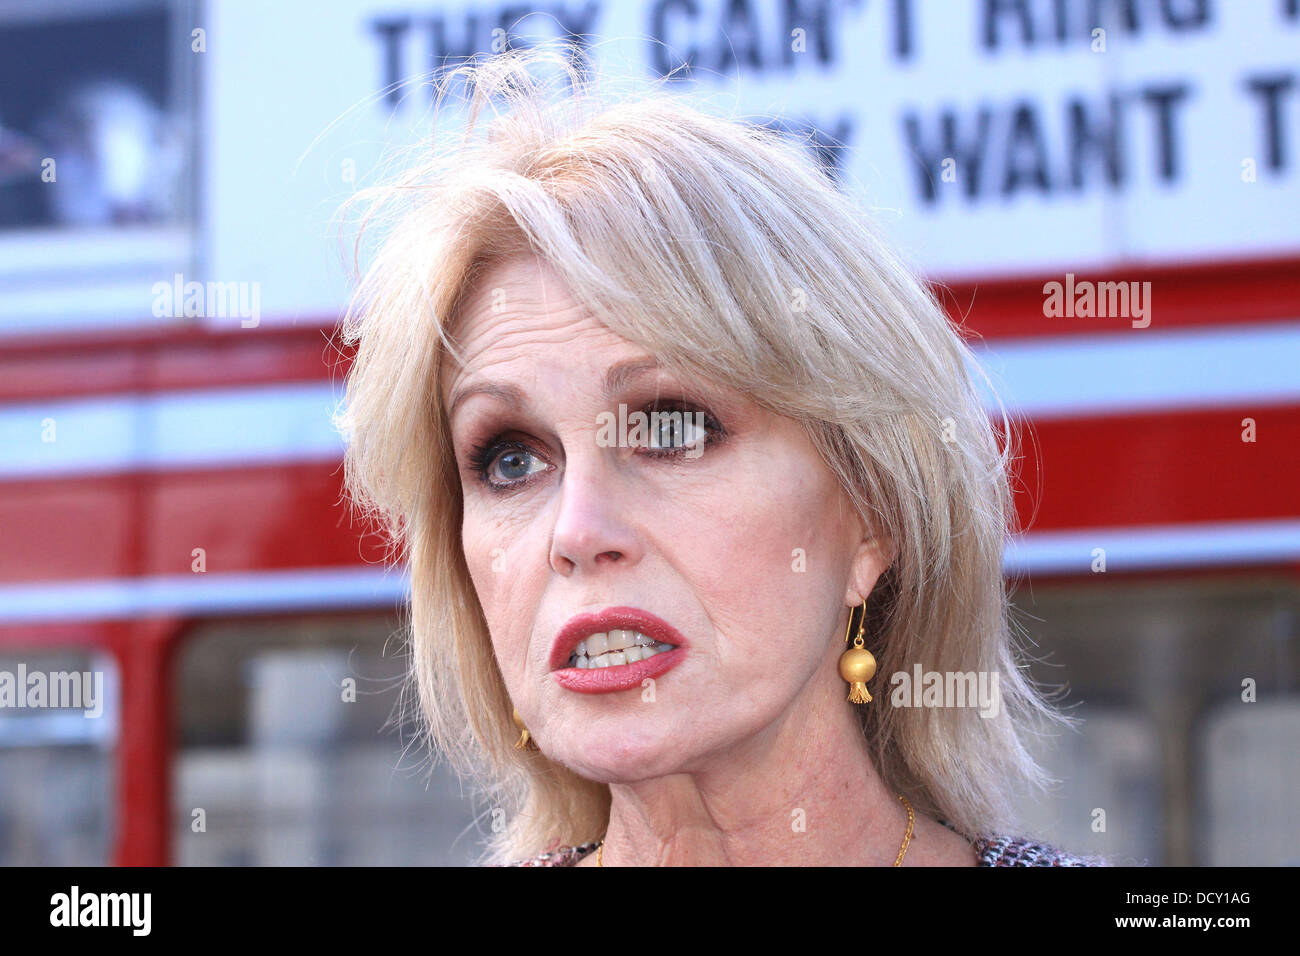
(769, 560)
(477, 542)
(493, 555)
(494, 537)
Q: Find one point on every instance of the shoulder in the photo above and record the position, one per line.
(990, 851)
(1022, 851)
(560, 856)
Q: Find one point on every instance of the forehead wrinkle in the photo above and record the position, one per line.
(499, 341)
(503, 345)
(616, 379)
(531, 322)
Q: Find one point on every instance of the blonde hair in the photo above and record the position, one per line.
(724, 250)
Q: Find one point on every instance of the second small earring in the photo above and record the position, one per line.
(525, 741)
(857, 664)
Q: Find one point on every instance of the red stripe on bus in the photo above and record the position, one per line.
(150, 523)
(1160, 468)
(1182, 295)
(174, 359)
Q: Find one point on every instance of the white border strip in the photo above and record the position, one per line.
(1137, 370)
(189, 595)
(198, 428)
(1168, 546)
(210, 593)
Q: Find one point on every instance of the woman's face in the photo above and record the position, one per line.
(749, 549)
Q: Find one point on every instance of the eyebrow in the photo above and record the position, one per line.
(617, 378)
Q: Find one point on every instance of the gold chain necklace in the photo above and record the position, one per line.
(902, 850)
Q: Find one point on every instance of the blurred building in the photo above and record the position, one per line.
(1107, 194)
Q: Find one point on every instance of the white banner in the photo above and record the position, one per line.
(993, 137)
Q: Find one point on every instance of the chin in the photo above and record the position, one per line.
(623, 755)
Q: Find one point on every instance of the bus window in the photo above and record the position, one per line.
(1187, 693)
(290, 752)
(58, 729)
(1251, 773)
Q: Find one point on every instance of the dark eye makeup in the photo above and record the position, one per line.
(516, 457)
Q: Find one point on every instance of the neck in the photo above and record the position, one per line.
(801, 792)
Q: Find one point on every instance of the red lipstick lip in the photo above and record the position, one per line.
(581, 626)
(608, 680)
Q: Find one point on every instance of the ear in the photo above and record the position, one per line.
(874, 556)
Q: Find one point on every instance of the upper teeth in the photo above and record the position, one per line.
(615, 647)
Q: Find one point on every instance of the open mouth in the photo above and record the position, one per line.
(615, 647)
(614, 650)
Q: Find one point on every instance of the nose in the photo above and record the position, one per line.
(591, 524)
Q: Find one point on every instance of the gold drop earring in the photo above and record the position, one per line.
(857, 664)
(525, 741)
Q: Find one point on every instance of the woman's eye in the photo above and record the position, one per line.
(515, 464)
(678, 430)
(502, 464)
(681, 430)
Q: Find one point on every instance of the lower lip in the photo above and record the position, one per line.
(608, 680)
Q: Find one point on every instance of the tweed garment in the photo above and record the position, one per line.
(990, 851)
